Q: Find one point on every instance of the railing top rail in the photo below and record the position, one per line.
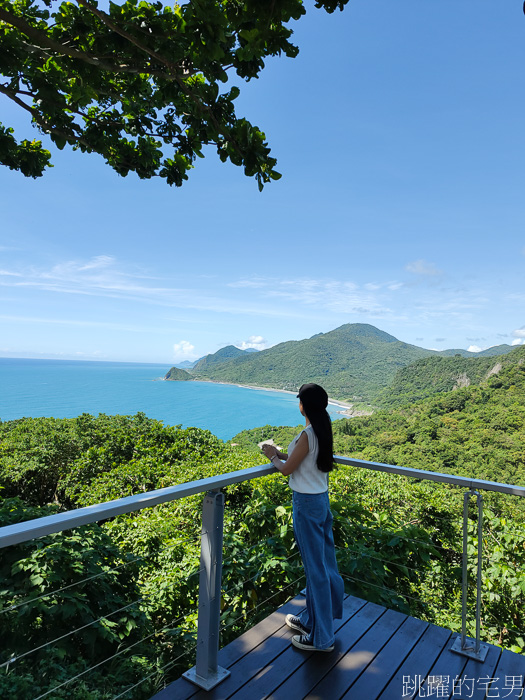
(464, 481)
(31, 529)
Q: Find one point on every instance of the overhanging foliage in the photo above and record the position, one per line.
(143, 84)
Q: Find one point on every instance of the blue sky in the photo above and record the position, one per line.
(399, 133)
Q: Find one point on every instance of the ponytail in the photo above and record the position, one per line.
(315, 400)
(322, 427)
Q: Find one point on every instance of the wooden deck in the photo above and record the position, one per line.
(379, 654)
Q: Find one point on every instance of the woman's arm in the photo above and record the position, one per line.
(294, 460)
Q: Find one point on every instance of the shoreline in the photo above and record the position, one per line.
(348, 411)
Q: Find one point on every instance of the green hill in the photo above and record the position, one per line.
(175, 374)
(353, 362)
(474, 431)
(433, 375)
(209, 361)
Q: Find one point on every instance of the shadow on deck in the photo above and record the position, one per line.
(379, 654)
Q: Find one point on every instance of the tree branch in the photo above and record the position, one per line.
(40, 120)
(106, 19)
(45, 41)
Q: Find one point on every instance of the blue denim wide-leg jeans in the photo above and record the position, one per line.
(312, 522)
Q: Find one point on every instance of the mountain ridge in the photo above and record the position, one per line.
(354, 362)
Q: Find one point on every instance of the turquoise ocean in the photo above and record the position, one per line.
(67, 388)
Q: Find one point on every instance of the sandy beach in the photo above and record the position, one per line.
(348, 408)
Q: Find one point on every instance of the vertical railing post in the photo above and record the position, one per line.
(206, 673)
(465, 645)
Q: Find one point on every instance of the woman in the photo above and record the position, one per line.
(308, 462)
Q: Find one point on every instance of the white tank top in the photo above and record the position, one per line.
(307, 478)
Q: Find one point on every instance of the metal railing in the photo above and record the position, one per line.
(206, 673)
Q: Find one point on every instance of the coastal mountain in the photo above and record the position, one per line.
(176, 374)
(186, 364)
(209, 361)
(203, 365)
(353, 362)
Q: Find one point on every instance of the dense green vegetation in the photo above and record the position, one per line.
(355, 362)
(129, 585)
(432, 375)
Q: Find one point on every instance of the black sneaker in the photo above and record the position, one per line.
(302, 642)
(295, 623)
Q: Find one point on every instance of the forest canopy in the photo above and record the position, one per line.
(145, 85)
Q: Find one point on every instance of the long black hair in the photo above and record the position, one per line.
(315, 400)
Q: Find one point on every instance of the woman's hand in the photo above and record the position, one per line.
(269, 450)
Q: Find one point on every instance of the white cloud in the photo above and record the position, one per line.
(97, 262)
(423, 268)
(518, 341)
(519, 333)
(183, 350)
(254, 341)
(474, 348)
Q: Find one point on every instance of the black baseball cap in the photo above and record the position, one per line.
(313, 395)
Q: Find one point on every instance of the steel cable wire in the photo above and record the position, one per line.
(253, 610)
(507, 627)
(172, 662)
(432, 544)
(370, 556)
(68, 634)
(238, 585)
(70, 585)
(91, 578)
(118, 653)
(164, 668)
(420, 518)
(383, 588)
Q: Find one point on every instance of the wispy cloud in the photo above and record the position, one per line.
(336, 296)
(253, 283)
(79, 323)
(423, 268)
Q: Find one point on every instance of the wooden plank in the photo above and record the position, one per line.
(508, 676)
(416, 664)
(356, 659)
(468, 685)
(447, 667)
(182, 689)
(357, 613)
(385, 664)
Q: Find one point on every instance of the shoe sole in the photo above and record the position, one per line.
(309, 647)
(297, 628)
